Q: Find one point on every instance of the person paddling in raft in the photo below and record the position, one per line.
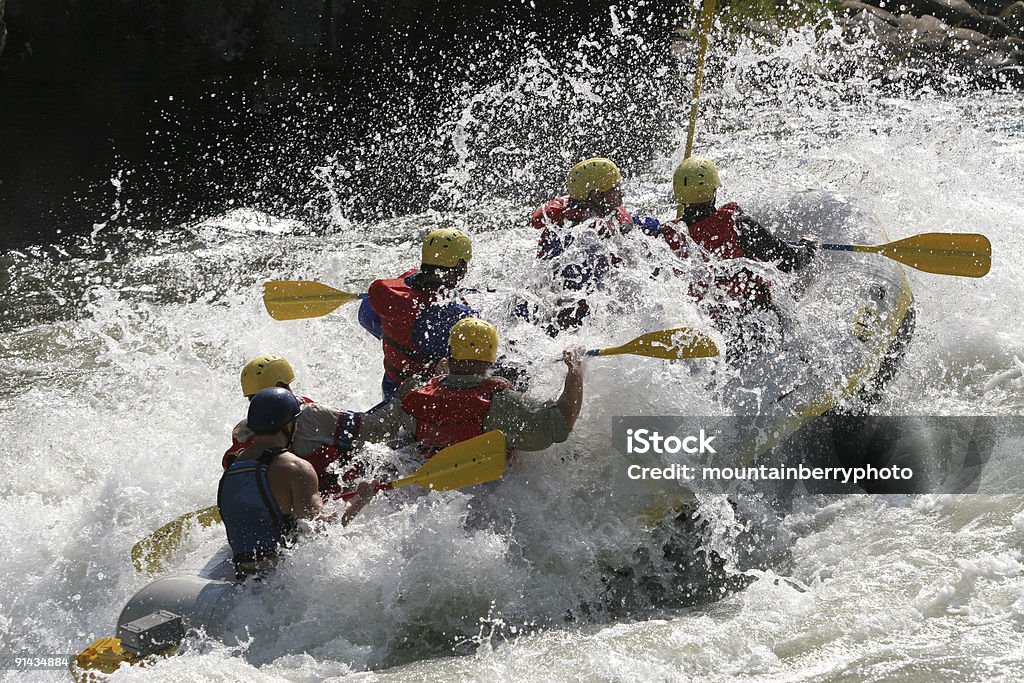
(718, 235)
(468, 401)
(413, 313)
(315, 437)
(266, 487)
(595, 198)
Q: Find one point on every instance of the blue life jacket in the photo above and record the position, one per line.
(255, 525)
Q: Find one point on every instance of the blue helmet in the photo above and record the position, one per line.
(271, 409)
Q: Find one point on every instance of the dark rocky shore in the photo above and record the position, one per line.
(981, 40)
(163, 112)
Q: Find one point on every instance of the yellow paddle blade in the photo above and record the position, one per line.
(149, 554)
(965, 255)
(296, 299)
(467, 463)
(677, 343)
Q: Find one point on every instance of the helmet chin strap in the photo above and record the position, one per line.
(290, 434)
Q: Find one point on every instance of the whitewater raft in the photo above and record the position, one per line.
(850, 324)
(800, 392)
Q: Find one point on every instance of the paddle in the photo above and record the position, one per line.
(150, 553)
(467, 463)
(678, 343)
(296, 299)
(707, 18)
(962, 254)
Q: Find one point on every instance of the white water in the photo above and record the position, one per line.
(120, 388)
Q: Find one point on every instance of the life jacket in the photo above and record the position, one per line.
(447, 415)
(718, 240)
(255, 525)
(398, 305)
(563, 212)
(322, 457)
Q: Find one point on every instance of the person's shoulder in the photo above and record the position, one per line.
(549, 210)
(373, 292)
(497, 384)
(315, 412)
(390, 281)
(241, 433)
(555, 203)
(449, 308)
(289, 464)
(308, 405)
(506, 394)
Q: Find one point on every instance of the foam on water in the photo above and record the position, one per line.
(119, 390)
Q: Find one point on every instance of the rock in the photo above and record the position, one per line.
(854, 7)
(953, 12)
(945, 37)
(1013, 75)
(983, 55)
(974, 38)
(930, 32)
(991, 7)
(882, 28)
(1013, 17)
(959, 13)
(760, 28)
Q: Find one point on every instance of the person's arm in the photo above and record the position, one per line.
(316, 427)
(364, 493)
(369, 319)
(383, 423)
(305, 489)
(528, 425)
(648, 225)
(571, 400)
(762, 245)
(533, 426)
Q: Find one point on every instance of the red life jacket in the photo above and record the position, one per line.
(445, 415)
(562, 211)
(398, 305)
(321, 458)
(719, 240)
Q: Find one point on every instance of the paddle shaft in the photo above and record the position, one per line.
(831, 246)
(381, 486)
(707, 19)
(957, 254)
(661, 344)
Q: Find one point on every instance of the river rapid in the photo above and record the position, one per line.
(119, 363)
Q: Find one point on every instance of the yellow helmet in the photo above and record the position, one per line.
(695, 181)
(474, 339)
(446, 248)
(265, 372)
(597, 173)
